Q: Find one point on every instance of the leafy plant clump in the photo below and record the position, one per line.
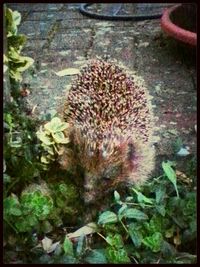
(14, 62)
(150, 225)
(52, 137)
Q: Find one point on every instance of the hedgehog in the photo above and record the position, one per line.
(111, 127)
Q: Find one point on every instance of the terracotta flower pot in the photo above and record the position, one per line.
(179, 21)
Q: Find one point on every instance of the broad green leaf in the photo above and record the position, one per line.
(160, 194)
(121, 211)
(107, 217)
(135, 235)
(66, 72)
(96, 256)
(135, 214)
(68, 247)
(161, 209)
(142, 198)
(15, 211)
(170, 173)
(59, 138)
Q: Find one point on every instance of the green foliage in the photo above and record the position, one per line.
(14, 62)
(158, 223)
(52, 138)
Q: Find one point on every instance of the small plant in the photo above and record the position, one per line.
(33, 207)
(52, 137)
(14, 62)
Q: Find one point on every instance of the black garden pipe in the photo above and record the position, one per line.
(84, 11)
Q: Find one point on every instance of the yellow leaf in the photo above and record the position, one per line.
(69, 71)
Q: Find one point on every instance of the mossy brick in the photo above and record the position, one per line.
(71, 40)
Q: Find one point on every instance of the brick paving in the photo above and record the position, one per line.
(59, 36)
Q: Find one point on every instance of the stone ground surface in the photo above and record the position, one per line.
(60, 37)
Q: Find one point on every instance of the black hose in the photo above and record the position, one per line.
(84, 11)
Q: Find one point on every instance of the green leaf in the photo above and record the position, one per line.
(154, 242)
(161, 209)
(121, 211)
(107, 217)
(135, 214)
(117, 256)
(115, 240)
(117, 196)
(68, 247)
(160, 194)
(142, 198)
(170, 173)
(60, 138)
(16, 17)
(135, 235)
(96, 256)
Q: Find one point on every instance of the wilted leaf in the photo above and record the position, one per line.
(67, 72)
(88, 229)
(46, 243)
(107, 217)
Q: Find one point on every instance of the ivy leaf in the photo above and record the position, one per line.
(107, 217)
(68, 247)
(171, 175)
(135, 214)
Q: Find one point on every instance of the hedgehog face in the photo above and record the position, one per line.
(100, 180)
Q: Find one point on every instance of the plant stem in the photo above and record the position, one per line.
(124, 226)
(102, 237)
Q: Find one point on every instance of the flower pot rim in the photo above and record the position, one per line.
(175, 31)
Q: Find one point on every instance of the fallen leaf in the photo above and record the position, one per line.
(88, 229)
(183, 152)
(48, 244)
(66, 72)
